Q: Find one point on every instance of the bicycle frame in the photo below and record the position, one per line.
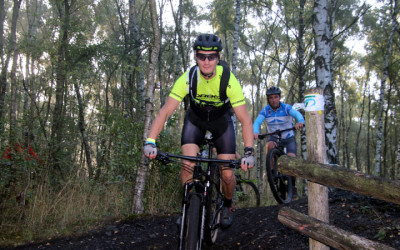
(197, 185)
(281, 185)
(278, 133)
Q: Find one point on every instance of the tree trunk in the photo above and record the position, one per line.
(302, 73)
(386, 142)
(236, 37)
(381, 101)
(82, 129)
(322, 38)
(134, 51)
(57, 129)
(357, 154)
(342, 136)
(398, 160)
(10, 52)
(137, 206)
(369, 167)
(13, 77)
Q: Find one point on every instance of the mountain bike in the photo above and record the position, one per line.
(202, 199)
(246, 193)
(281, 185)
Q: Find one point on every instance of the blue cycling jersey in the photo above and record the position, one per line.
(281, 119)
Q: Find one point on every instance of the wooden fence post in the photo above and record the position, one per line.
(318, 206)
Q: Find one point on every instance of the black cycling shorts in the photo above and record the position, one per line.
(289, 143)
(222, 129)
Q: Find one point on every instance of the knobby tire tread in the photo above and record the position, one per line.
(281, 192)
(214, 197)
(192, 234)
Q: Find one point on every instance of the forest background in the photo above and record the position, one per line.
(81, 81)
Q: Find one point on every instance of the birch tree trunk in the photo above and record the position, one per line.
(369, 167)
(357, 154)
(322, 39)
(302, 72)
(137, 205)
(381, 101)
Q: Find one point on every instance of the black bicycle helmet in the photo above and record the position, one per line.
(273, 91)
(208, 42)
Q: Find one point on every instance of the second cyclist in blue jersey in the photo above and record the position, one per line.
(213, 92)
(279, 115)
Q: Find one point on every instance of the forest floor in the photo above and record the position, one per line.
(253, 228)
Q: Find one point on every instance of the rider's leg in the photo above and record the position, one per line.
(270, 145)
(291, 148)
(228, 177)
(187, 166)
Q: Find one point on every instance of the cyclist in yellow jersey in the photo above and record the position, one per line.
(208, 111)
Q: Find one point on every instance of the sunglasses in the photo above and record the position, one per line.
(210, 57)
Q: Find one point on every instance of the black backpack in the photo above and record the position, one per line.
(226, 73)
(202, 109)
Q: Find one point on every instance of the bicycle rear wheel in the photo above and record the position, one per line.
(214, 203)
(246, 194)
(281, 185)
(192, 233)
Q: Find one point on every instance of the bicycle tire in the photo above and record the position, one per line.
(246, 194)
(192, 233)
(281, 185)
(214, 203)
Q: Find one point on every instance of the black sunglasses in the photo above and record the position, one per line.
(210, 57)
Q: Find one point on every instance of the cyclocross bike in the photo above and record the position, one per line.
(281, 185)
(202, 199)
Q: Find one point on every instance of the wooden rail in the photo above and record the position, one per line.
(341, 177)
(321, 175)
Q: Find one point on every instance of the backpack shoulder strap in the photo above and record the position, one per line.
(226, 74)
(192, 81)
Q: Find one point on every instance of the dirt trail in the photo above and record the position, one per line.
(253, 228)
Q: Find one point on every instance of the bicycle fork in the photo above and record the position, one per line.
(187, 194)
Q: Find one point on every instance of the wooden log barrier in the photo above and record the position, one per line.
(325, 233)
(341, 177)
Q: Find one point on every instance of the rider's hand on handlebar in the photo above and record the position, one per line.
(150, 149)
(248, 159)
(299, 125)
(255, 136)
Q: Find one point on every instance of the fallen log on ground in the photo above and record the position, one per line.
(325, 233)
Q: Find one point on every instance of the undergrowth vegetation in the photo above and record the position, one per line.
(80, 204)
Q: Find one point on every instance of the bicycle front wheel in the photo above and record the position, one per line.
(192, 233)
(281, 185)
(246, 194)
(214, 203)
